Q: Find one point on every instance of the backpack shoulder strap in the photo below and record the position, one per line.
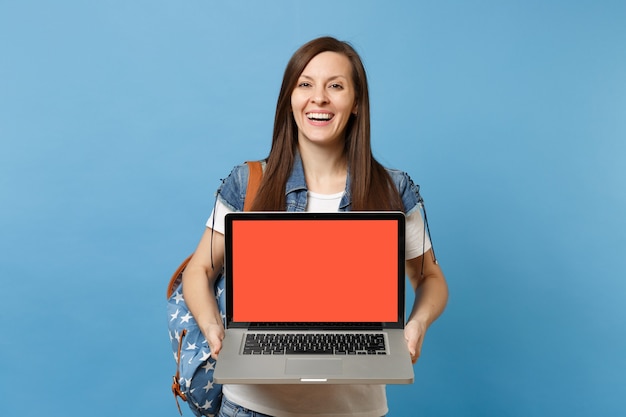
(254, 180)
(177, 277)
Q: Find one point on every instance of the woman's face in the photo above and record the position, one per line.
(324, 99)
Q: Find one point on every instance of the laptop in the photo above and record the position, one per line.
(314, 298)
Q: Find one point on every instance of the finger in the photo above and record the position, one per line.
(413, 353)
(413, 344)
(215, 345)
(415, 356)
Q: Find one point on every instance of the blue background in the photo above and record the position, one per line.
(118, 119)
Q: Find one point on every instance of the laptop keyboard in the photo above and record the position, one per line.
(314, 343)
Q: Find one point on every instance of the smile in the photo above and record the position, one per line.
(321, 117)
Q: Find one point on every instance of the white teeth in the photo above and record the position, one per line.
(319, 116)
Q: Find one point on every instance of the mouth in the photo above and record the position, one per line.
(320, 117)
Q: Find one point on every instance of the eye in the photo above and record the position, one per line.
(304, 84)
(336, 86)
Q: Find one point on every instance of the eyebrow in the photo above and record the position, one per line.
(334, 77)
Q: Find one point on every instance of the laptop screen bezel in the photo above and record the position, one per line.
(397, 216)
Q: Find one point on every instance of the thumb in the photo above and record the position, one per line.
(214, 341)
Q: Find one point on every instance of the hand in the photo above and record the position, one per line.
(214, 334)
(414, 332)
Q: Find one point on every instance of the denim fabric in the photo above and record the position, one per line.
(232, 192)
(230, 409)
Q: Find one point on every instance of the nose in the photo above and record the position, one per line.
(319, 95)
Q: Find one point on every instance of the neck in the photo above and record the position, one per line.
(325, 168)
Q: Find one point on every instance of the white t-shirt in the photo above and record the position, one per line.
(319, 400)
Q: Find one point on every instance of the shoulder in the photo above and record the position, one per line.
(408, 190)
(232, 190)
(400, 178)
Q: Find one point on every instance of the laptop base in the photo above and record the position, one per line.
(235, 368)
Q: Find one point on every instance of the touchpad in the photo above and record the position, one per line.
(313, 366)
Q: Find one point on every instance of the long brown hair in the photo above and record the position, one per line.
(370, 185)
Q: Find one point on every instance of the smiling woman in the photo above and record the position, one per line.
(320, 160)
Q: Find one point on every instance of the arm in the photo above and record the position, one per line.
(198, 283)
(431, 296)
